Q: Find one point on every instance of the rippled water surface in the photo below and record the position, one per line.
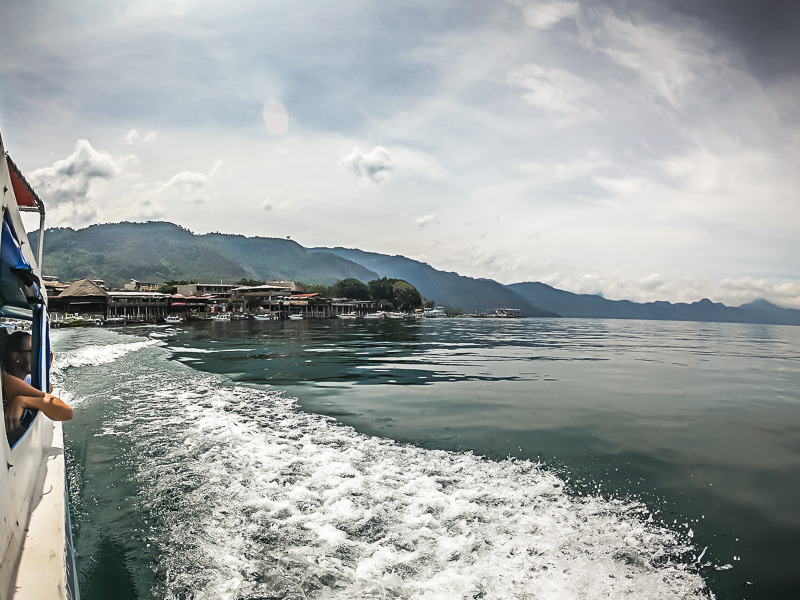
(447, 458)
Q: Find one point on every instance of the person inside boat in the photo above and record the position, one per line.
(19, 395)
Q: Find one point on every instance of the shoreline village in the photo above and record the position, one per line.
(90, 302)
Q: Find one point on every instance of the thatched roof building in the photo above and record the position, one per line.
(83, 297)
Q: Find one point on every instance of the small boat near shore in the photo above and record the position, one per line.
(296, 317)
(502, 313)
(73, 321)
(267, 317)
(173, 320)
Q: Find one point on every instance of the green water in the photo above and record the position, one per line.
(698, 422)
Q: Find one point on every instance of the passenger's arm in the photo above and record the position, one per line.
(21, 396)
(53, 407)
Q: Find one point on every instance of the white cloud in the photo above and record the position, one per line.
(70, 186)
(724, 170)
(158, 200)
(188, 186)
(427, 220)
(652, 282)
(134, 137)
(632, 187)
(746, 289)
(543, 15)
(373, 166)
(667, 60)
(730, 183)
(419, 163)
(569, 171)
(551, 89)
(478, 258)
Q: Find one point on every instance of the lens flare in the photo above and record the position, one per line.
(276, 117)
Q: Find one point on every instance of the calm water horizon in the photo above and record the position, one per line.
(444, 458)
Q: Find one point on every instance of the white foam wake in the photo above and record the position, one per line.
(255, 499)
(94, 355)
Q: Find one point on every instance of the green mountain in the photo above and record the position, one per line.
(278, 259)
(446, 288)
(157, 252)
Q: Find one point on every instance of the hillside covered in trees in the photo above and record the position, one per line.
(158, 252)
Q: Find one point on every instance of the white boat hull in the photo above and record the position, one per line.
(36, 558)
(42, 539)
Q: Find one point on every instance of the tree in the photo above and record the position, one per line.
(350, 288)
(381, 291)
(406, 296)
(250, 282)
(389, 294)
(318, 288)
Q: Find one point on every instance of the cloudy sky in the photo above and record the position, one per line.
(647, 150)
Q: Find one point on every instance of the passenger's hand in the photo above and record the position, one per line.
(13, 413)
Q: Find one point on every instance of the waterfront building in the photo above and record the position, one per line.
(206, 289)
(83, 297)
(292, 286)
(260, 299)
(137, 306)
(310, 306)
(87, 299)
(140, 286)
(53, 286)
(346, 306)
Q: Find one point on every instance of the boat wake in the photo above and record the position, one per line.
(247, 497)
(95, 355)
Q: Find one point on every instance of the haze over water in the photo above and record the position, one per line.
(451, 458)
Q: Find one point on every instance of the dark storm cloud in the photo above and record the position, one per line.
(766, 33)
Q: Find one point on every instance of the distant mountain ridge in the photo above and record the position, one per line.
(568, 304)
(159, 251)
(539, 299)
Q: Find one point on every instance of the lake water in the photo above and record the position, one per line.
(434, 458)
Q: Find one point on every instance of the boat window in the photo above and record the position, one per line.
(14, 341)
(22, 306)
